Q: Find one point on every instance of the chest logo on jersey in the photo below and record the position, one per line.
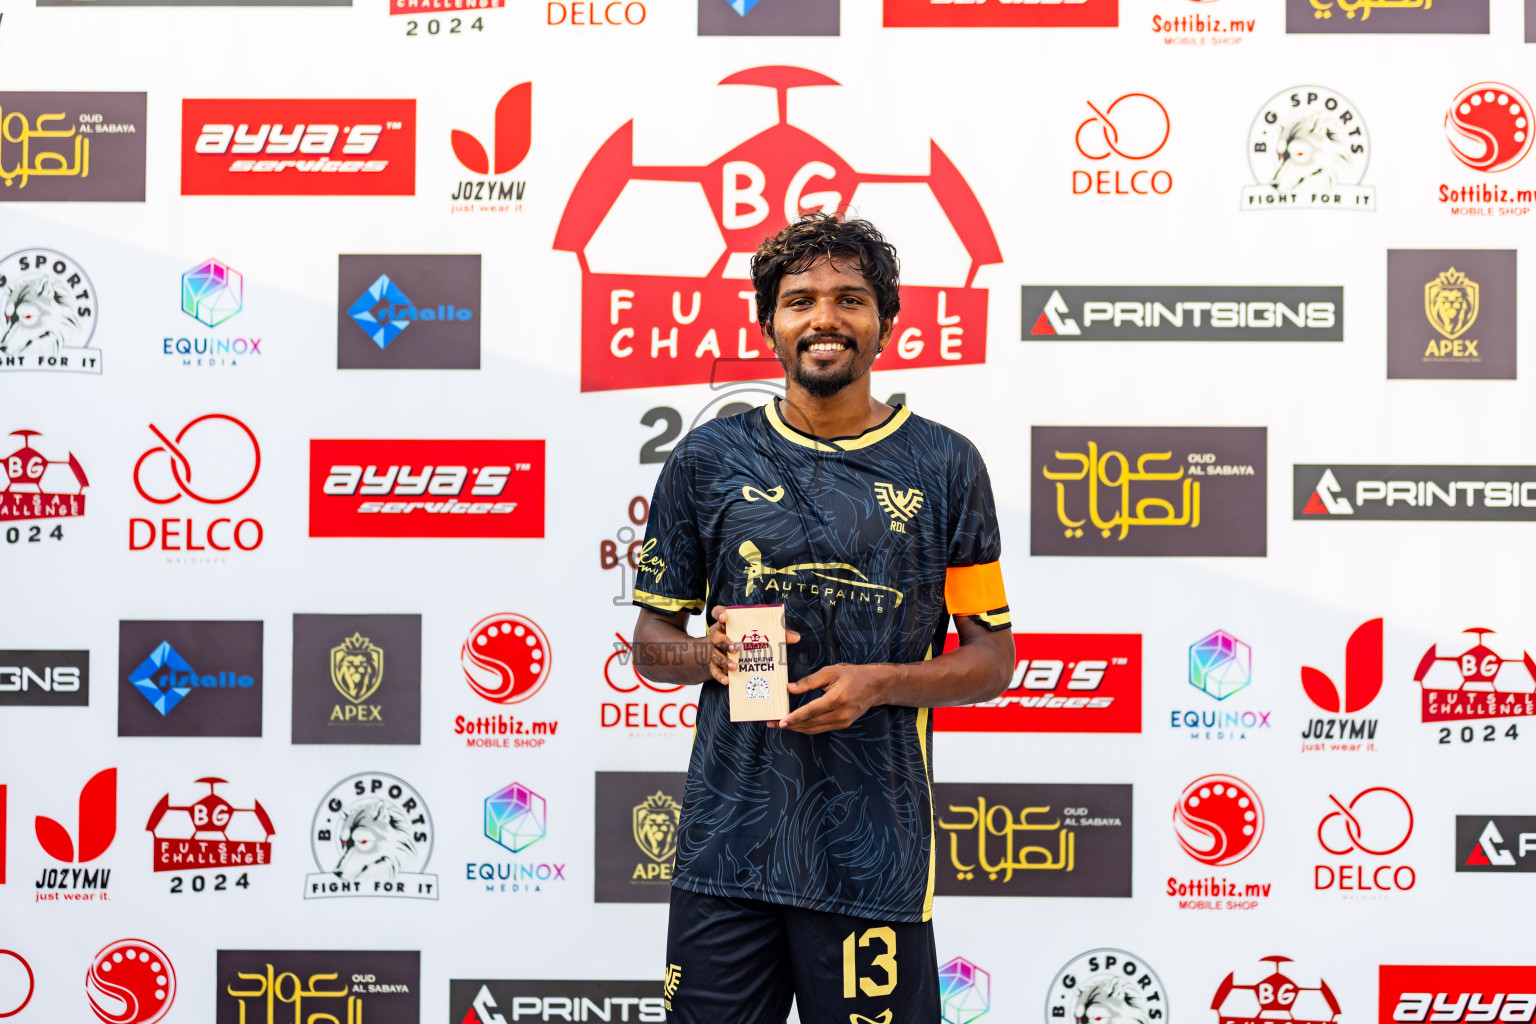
(771, 494)
(847, 582)
(901, 506)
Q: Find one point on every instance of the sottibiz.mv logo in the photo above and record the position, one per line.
(653, 316)
(1062, 682)
(298, 147)
(426, 488)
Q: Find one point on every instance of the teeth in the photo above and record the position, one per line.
(828, 346)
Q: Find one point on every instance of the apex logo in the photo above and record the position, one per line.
(1054, 319)
(97, 823)
(1362, 673)
(1326, 499)
(514, 134)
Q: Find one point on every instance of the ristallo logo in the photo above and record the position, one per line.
(1274, 997)
(1375, 823)
(1362, 680)
(298, 147)
(95, 829)
(408, 312)
(643, 707)
(1218, 821)
(1131, 128)
(33, 486)
(1002, 14)
(1476, 683)
(131, 982)
(511, 139)
(1062, 682)
(189, 678)
(656, 316)
(420, 488)
(1488, 128)
(1414, 994)
(214, 459)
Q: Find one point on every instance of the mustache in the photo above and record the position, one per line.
(806, 343)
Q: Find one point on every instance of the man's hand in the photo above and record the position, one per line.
(847, 692)
(720, 646)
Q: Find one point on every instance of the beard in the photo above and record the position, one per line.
(824, 383)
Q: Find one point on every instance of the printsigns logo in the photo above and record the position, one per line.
(635, 329)
(378, 297)
(1466, 300)
(1219, 820)
(1194, 313)
(487, 1001)
(426, 488)
(1495, 844)
(1308, 149)
(32, 486)
(1002, 14)
(769, 17)
(372, 836)
(210, 833)
(512, 138)
(1107, 985)
(1378, 822)
(131, 982)
(1062, 682)
(1148, 491)
(1455, 995)
(1132, 127)
(1415, 493)
(161, 664)
(372, 663)
(72, 146)
(49, 306)
(1275, 997)
(352, 986)
(238, 147)
(1001, 840)
(1475, 683)
(638, 816)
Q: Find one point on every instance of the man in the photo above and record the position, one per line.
(805, 863)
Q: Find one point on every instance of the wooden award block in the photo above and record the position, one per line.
(760, 681)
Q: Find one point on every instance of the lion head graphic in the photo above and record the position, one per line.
(655, 826)
(1111, 1001)
(1313, 153)
(39, 319)
(375, 842)
(357, 667)
(1450, 302)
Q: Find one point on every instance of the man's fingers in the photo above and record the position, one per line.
(791, 636)
(815, 681)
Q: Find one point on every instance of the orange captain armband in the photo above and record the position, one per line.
(977, 591)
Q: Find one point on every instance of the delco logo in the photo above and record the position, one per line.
(651, 317)
(298, 147)
(426, 488)
(1456, 995)
(1062, 682)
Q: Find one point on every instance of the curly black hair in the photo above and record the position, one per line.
(852, 242)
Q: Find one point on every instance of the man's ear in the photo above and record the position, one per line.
(886, 327)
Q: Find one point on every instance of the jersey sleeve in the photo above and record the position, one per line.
(671, 575)
(973, 581)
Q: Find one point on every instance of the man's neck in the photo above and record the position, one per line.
(848, 413)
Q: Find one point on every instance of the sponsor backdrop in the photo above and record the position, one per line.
(333, 393)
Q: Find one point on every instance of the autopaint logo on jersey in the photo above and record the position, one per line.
(515, 819)
(1221, 667)
(33, 486)
(298, 147)
(51, 679)
(50, 310)
(652, 317)
(1451, 313)
(505, 660)
(1218, 821)
(72, 146)
(1154, 313)
(1148, 491)
(131, 981)
(1062, 682)
(1002, 14)
(357, 679)
(426, 488)
(1478, 683)
(637, 819)
(1455, 995)
(491, 191)
(768, 18)
(1274, 997)
(1346, 695)
(210, 834)
(1415, 493)
(1495, 844)
(372, 836)
(213, 459)
(1309, 149)
(1365, 835)
(998, 839)
(95, 828)
(408, 313)
(1488, 128)
(212, 293)
(639, 705)
(485, 1001)
(1107, 985)
(351, 986)
(1118, 136)
(1358, 17)
(189, 678)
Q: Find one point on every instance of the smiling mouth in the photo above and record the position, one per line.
(826, 346)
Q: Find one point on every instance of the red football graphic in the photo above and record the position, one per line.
(506, 658)
(1489, 127)
(130, 982)
(1218, 820)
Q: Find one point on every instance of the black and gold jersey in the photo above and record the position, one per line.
(870, 543)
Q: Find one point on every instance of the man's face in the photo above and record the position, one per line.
(826, 327)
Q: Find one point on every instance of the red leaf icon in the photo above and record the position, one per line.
(470, 153)
(514, 127)
(1320, 689)
(55, 839)
(1362, 666)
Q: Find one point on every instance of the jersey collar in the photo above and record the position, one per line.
(871, 436)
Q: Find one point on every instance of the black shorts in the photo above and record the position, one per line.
(735, 961)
